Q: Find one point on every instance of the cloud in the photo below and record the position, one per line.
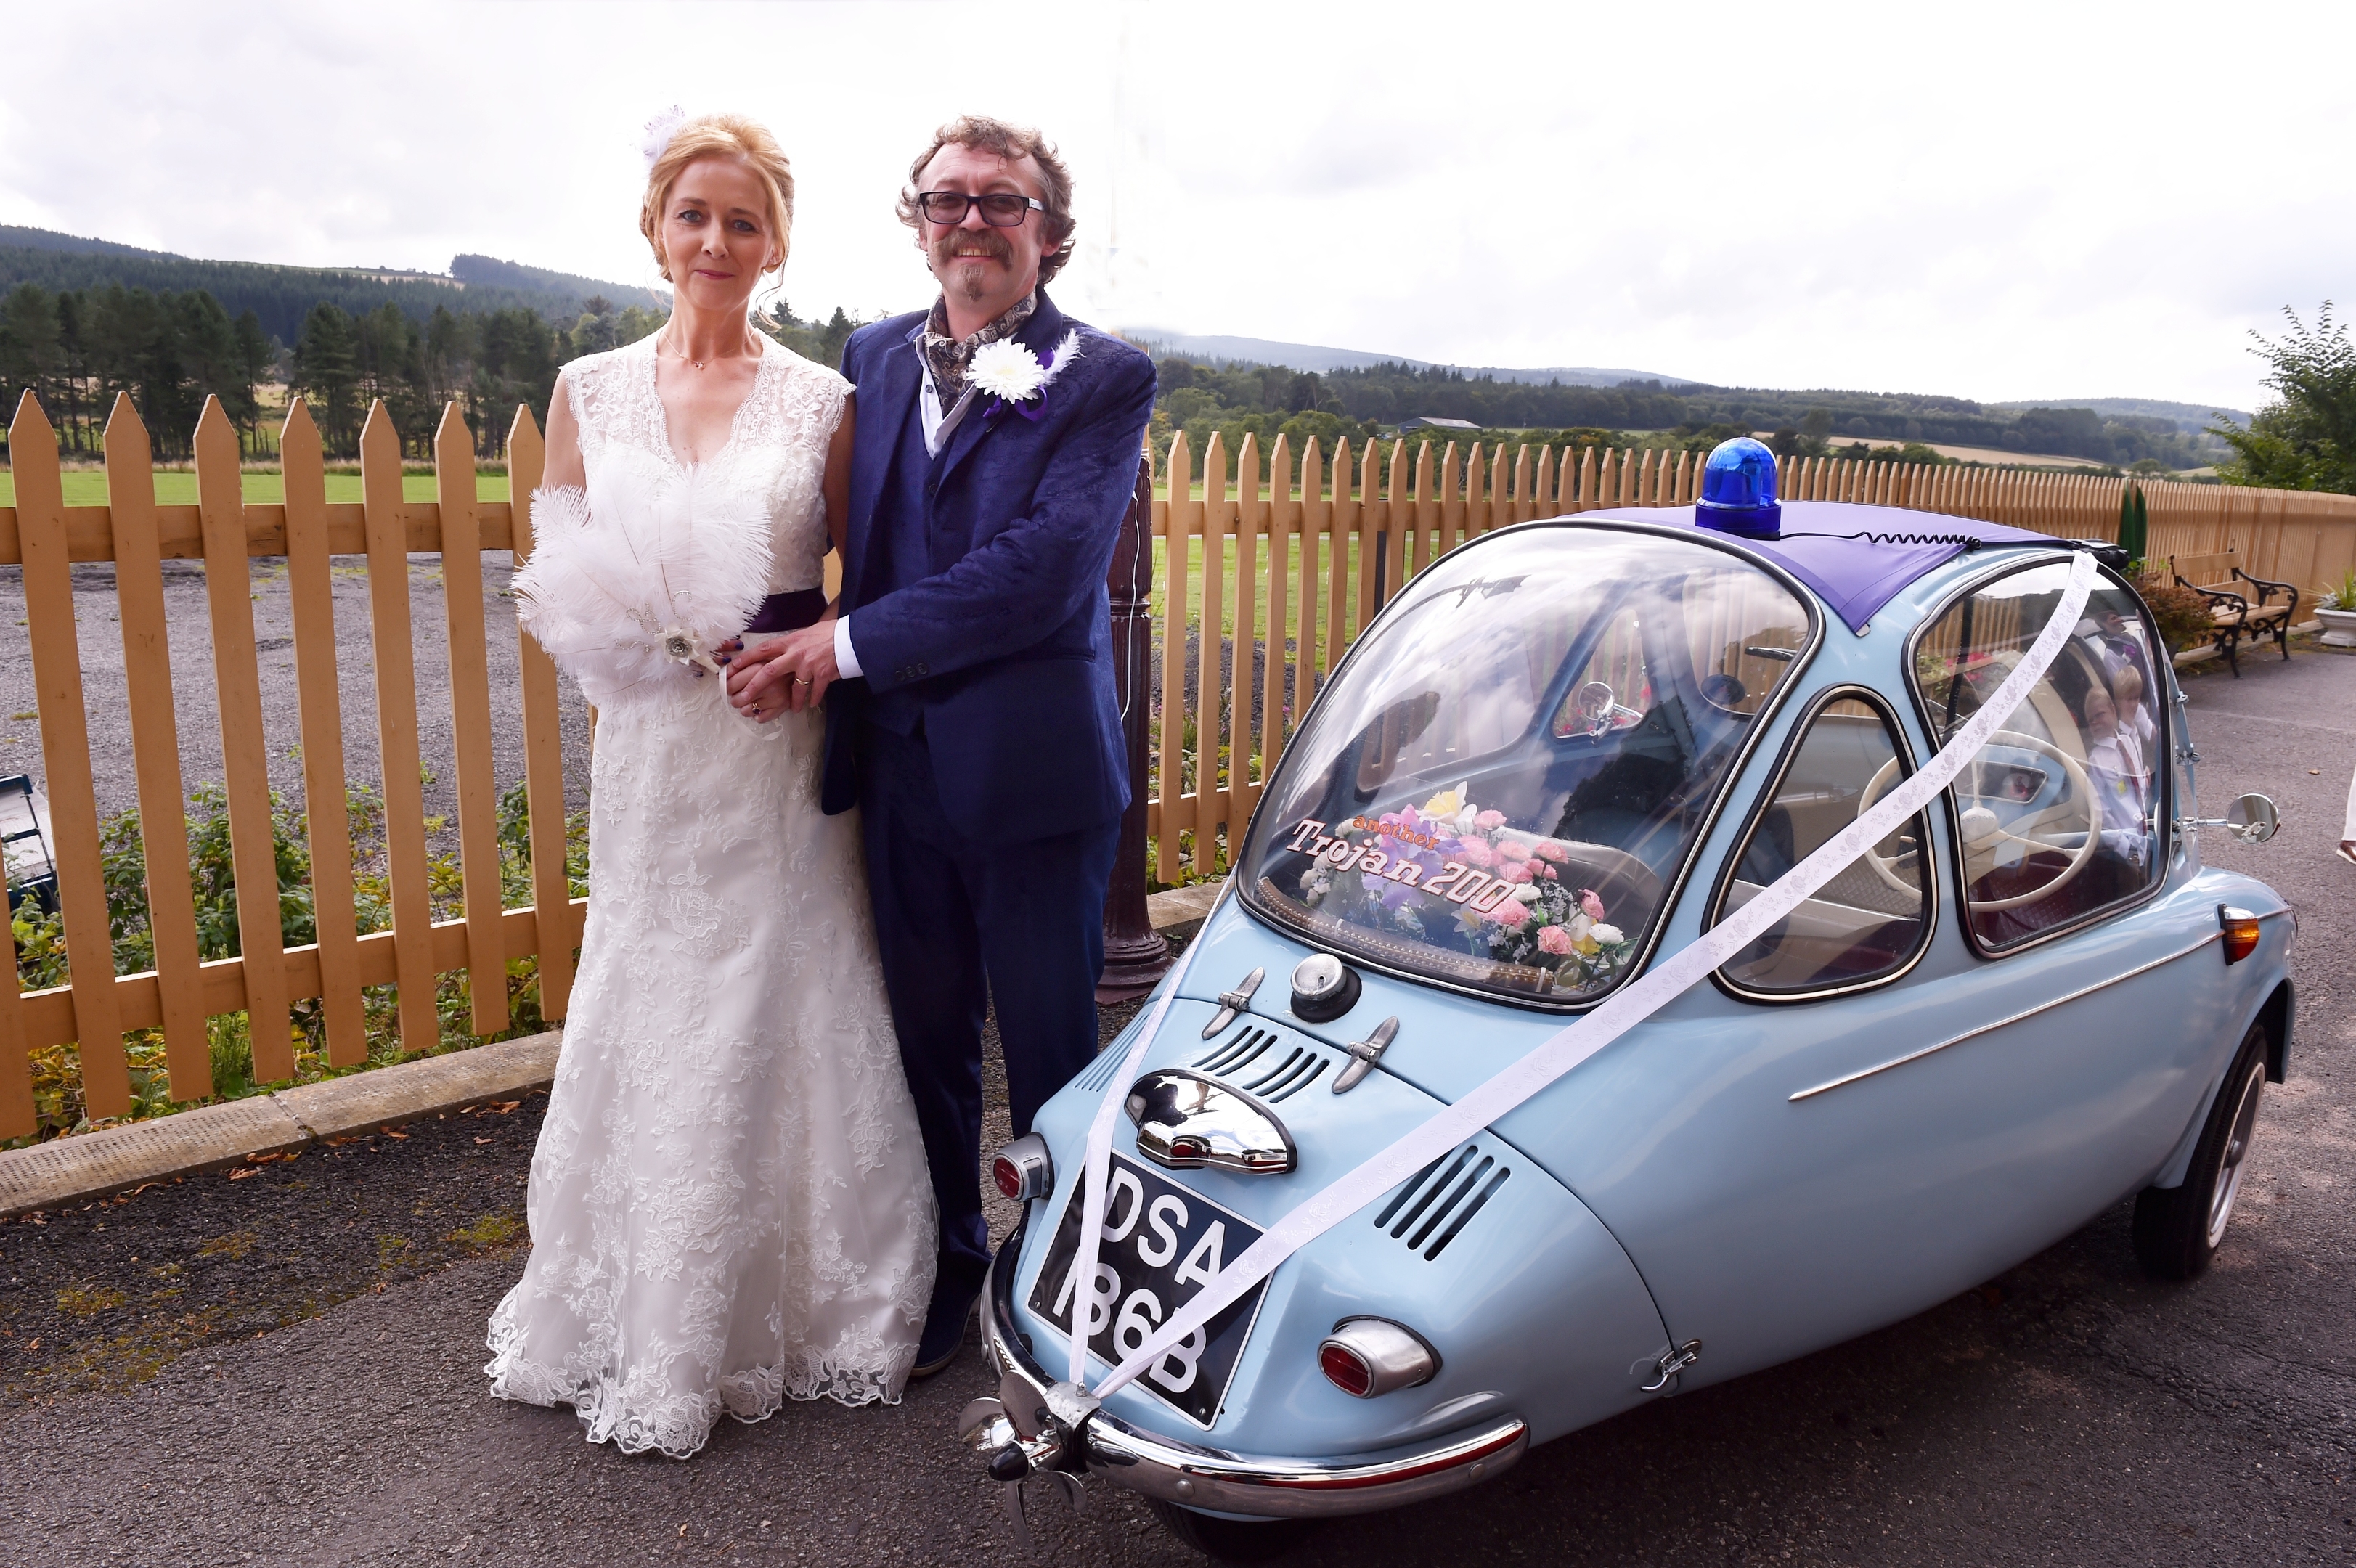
(2007, 201)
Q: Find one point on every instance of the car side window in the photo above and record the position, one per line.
(1872, 918)
(2058, 818)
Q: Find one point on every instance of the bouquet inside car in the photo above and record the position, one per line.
(1527, 912)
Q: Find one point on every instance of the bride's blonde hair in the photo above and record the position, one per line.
(720, 136)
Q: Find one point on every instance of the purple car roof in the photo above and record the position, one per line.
(1856, 557)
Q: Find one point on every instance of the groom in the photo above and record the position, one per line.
(973, 718)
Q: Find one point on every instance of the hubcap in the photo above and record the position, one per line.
(2237, 1149)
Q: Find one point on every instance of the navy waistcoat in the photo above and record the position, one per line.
(903, 553)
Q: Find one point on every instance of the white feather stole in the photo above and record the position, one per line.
(631, 599)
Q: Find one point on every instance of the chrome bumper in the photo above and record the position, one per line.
(1264, 1486)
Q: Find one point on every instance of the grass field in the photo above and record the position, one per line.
(1259, 581)
(87, 487)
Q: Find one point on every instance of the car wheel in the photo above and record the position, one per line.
(1232, 1540)
(2177, 1229)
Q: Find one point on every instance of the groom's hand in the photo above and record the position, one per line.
(785, 673)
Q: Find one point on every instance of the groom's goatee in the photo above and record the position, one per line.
(945, 254)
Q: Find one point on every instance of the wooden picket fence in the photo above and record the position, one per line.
(1292, 575)
(1272, 586)
(45, 536)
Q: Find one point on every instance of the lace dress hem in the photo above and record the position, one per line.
(679, 1426)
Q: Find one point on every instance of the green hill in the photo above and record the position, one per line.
(50, 240)
(281, 297)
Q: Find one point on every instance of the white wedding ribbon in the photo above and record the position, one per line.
(1096, 1165)
(1562, 1051)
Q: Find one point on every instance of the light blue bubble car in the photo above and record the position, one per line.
(1564, 754)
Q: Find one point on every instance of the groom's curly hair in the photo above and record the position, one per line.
(1012, 143)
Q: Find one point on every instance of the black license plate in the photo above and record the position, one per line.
(1161, 1245)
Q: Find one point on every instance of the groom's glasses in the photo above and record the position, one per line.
(1000, 209)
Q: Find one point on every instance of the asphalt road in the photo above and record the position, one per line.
(2067, 1412)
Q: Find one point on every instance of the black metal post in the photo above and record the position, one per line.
(1135, 956)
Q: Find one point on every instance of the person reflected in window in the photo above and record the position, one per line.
(2121, 777)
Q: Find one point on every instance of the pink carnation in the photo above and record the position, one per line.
(1515, 871)
(1473, 852)
(1513, 849)
(1548, 850)
(1511, 913)
(1591, 905)
(1489, 821)
(1554, 939)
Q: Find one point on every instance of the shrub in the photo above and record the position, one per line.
(41, 960)
(2342, 594)
(2182, 614)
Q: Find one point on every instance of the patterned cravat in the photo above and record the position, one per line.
(949, 359)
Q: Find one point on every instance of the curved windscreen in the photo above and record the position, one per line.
(1502, 785)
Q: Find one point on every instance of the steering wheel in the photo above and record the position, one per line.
(1980, 849)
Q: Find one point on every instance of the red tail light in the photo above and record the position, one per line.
(2241, 928)
(1024, 1169)
(1367, 1358)
(1346, 1369)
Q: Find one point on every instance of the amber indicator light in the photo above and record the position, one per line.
(2241, 928)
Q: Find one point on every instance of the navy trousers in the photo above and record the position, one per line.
(962, 926)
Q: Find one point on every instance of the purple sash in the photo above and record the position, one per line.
(787, 612)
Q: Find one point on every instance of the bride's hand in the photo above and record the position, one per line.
(785, 674)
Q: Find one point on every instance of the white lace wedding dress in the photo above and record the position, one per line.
(729, 1203)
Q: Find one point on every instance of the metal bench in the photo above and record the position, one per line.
(2234, 611)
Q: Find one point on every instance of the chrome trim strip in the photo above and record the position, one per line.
(2007, 1022)
(1194, 1476)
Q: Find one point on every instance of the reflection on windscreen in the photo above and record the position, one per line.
(1505, 779)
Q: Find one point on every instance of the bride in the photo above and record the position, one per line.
(729, 1203)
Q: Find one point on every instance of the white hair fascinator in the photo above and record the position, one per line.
(658, 133)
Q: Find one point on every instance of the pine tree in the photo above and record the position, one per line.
(327, 369)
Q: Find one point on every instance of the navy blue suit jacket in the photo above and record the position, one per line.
(1007, 642)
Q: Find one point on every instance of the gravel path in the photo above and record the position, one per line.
(99, 631)
(2068, 1411)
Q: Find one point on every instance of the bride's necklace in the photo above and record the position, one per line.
(699, 363)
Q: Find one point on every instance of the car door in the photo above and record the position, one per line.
(2073, 1040)
(1921, 1076)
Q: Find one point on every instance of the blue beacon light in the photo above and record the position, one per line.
(1738, 491)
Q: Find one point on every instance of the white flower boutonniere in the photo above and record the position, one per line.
(1011, 375)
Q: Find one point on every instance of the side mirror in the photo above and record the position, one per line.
(2253, 819)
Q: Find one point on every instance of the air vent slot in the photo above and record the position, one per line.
(1240, 1049)
(1301, 1068)
(1097, 1073)
(1441, 1199)
(1250, 1060)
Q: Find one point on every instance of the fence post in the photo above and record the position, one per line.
(1135, 954)
(245, 757)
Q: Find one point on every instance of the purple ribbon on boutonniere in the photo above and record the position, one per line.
(1011, 376)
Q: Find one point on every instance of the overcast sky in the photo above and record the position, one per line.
(2034, 201)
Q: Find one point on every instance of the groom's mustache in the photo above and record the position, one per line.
(946, 250)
